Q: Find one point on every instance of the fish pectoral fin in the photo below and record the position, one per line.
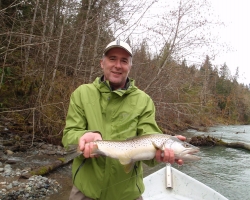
(161, 147)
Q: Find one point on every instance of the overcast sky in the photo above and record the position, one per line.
(236, 15)
(236, 34)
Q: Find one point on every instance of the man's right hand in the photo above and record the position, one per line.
(85, 143)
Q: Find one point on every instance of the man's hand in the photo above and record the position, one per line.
(167, 155)
(85, 143)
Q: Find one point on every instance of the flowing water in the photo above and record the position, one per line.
(226, 170)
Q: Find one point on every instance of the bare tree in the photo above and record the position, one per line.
(30, 37)
(79, 59)
(58, 51)
(184, 30)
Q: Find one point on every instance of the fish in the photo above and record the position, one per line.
(143, 148)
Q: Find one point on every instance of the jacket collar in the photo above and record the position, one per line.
(125, 88)
(104, 86)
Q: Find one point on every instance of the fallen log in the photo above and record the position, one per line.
(198, 128)
(240, 145)
(43, 170)
(212, 141)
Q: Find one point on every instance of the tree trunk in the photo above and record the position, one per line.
(5, 59)
(96, 45)
(58, 52)
(170, 48)
(79, 58)
(30, 38)
(44, 51)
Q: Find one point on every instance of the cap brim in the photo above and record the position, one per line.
(116, 46)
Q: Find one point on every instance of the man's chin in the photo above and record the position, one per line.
(115, 84)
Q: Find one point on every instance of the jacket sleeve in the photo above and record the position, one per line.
(147, 124)
(76, 122)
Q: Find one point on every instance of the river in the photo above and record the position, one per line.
(224, 169)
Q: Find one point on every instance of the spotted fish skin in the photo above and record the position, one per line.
(144, 148)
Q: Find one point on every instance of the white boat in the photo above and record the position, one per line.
(171, 184)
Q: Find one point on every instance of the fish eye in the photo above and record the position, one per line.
(186, 145)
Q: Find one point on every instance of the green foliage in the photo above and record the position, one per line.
(223, 87)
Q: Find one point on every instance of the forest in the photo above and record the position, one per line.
(50, 47)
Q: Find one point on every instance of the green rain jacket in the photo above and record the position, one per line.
(117, 115)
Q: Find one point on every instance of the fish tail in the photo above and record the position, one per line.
(72, 148)
(78, 149)
(95, 150)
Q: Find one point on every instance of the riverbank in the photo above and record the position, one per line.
(53, 186)
(14, 164)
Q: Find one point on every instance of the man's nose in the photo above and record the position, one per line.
(118, 64)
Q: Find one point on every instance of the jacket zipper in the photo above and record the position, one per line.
(135, 167)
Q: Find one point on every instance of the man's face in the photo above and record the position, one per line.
(116, 65)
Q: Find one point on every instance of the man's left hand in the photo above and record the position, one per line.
(167, 155)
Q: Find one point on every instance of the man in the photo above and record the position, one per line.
(110, 108)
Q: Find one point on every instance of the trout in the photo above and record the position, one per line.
(143, 148)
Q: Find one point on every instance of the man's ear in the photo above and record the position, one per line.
(101, 63)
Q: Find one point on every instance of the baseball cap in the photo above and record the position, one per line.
(120, 44)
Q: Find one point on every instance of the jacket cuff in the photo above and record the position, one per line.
(93, 131)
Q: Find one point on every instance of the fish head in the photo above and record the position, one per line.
(184, 150)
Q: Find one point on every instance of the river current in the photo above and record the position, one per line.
(227, 170)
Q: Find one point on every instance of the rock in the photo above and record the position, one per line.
(15, 183)
(8, 166)
(61, 152)
(10, 161)
(51, 152)
(8, 187)
(47, 146)
(18, 172)
(37, 187)
(44, 146)
(7, 173)
(3, 157)
(9, 152)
